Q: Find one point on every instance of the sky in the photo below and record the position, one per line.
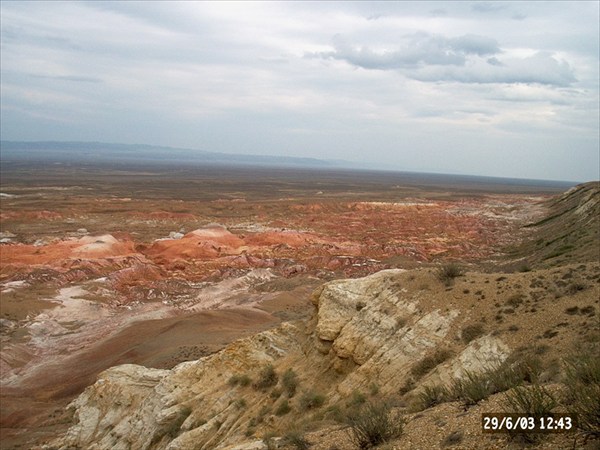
(508, 89)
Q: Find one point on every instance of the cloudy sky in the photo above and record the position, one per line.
(485, 88)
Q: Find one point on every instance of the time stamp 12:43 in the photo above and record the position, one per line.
(550, 423)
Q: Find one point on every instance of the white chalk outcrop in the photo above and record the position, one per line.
(365, 331)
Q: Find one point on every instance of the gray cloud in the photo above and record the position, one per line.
(541, 68)
(487, 7)
(429, 57)
(420, 48)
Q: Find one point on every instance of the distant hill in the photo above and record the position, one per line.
(101, 152)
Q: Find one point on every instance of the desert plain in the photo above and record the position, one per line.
(156, 265)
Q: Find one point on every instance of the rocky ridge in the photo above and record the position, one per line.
(367, 331)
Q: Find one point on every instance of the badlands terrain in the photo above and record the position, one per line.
(155, 307)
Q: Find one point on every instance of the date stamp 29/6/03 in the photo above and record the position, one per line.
(548, 423)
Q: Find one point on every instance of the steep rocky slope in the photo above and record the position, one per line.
(569, 233)
(369, 335)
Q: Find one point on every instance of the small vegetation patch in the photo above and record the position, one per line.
(242, 380)
(289, 380)
(582, 381)
(515, 300)
(431, 396)
(452, 439)
(357, 398)
(311, 400)
(267, 377)
(575, 287)
(296, 439)
(283, 408)
(472, 387)
(428, 363)
(471, 332)
(535, 401)
(448, 272)
(373, 424)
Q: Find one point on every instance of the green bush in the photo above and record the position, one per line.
(242, 380)
(311, 400)
(373, 424)
(289, 380)
(267, 377)
(532, 400)
(357, 398)
(535, 401)
(431, 396)
(283, 408)
(583, 391)
(474, 387)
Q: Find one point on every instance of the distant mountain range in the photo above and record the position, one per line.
(102, 152)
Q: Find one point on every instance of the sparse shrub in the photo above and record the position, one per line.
(242, 380)
(373, 389)
(266, 378)
(174, 427)
(264, 410)
(474, 387)
(275, 393)
(311, 400)
(549, 334)
(453, 438)
(334, 413)
(283, 408)
(535, 401)
(428, 363)
(588, 310)
(269, 440)
(357, 398)
(408, 386)
(447, 273)
(515, 300)
(431, 396)
(575, 287)
(525, 268)
(583, 391)
(471, 332)
(240, 403)
(296, 439)
(373, 424)
(572, 310)
(289, 380)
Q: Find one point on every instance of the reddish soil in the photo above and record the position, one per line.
(97, 269)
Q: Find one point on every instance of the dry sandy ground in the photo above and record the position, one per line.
(93, 272)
